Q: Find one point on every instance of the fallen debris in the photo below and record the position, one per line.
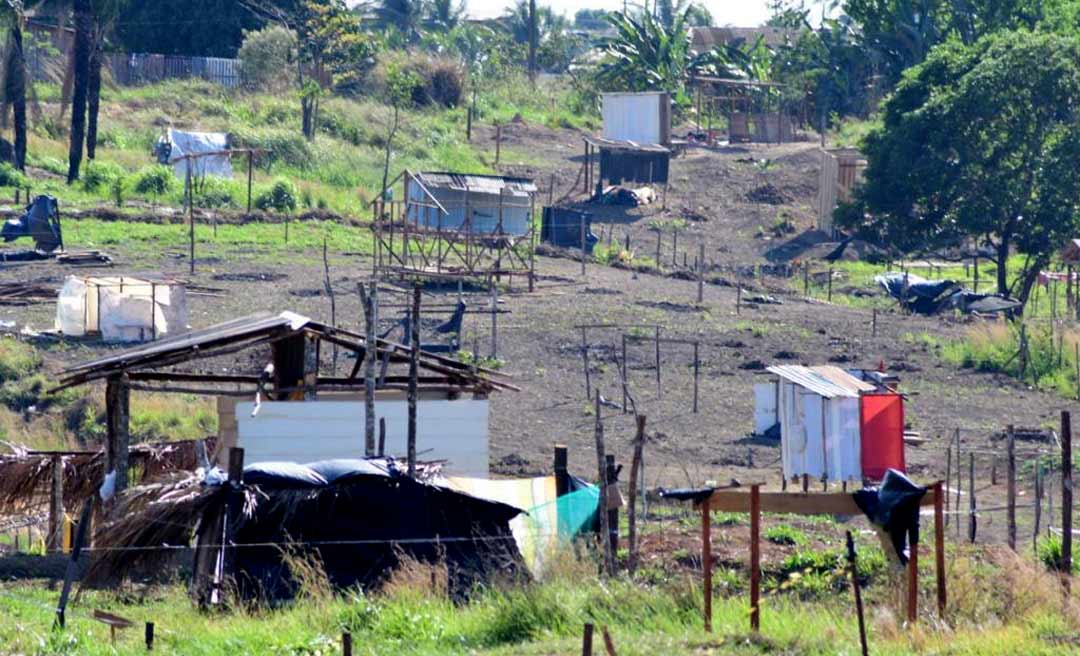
(615, 195)
(26, 293)
(923, 296)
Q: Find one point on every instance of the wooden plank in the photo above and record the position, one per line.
(794, 503)
(706, 561)
(755, 558)
(1066, 501)
(939, 546)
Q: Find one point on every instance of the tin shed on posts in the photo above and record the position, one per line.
(834, 425)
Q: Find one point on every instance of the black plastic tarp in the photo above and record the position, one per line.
(618, 166)
(41, 222)
(893, 507)
(361, 518)
(562, 227)
(931, 296)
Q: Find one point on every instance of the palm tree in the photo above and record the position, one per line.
(445, 14)
(14, 83)
(644, 55)
(405, 15)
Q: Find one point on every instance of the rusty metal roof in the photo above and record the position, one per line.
(619, 144)
(262, 328)
(827, 381)
(481, 184)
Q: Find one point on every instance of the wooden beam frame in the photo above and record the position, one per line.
(754, 502)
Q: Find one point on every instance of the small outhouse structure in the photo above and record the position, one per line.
(835, 425)
(841, 170)
(640, 118)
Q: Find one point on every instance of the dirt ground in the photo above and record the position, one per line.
(541, 346)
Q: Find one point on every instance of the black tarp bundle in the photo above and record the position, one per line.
(41, 222)
(932, 296)
(360, 518)
(893, 507)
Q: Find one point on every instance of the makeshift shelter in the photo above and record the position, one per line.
(566, 228)
(642, 118)
(842, 169)
(292, 408)
(834, 426)
(484, 204)
(359, 518)
(122, 308)
(207, 153)
(923, 296)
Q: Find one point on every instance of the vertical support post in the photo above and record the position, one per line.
(829, 298)
(939, 546)
(346, 643)
(625, 374)
(382, 436)
(659, 390)
(370, 346)
(959, 481)
(631, 511)
(701, 274)
(697, 371)
(1066, 501)
(611, 479)
(706, 561)
(562, 487)
(913, 579)
(601, 463)
(1038, 504)
(250, 157)
(532, 241)
(755, 557)
(498, 143)
(659, 235)
(118, 404)
(972, 522)
(873, 324)
(414, 373)
(586, 640)
(148, 635)
(948, 472)
(468, 124)
(494, 318)
(585, 359)
(56, 506)
(854, 571)
(581, 219)
(1011, 490)
(191, 219)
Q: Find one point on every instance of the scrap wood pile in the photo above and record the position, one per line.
(26, 476)
(26, 293)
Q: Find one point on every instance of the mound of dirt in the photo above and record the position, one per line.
(768, 195)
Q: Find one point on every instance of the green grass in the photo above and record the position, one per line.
(785, 535)
(17, 359)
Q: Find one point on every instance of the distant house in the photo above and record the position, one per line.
(704, 39)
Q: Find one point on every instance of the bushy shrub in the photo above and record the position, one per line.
(214, 192)
(17, 359)
(11, 176)
(438, 81)
(101, 175)
(266, 58)
(52, 165)
(156, 180)
(281, 197)
(282, 145)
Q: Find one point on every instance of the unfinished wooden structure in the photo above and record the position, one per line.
(841, 170)
(753, 109)
(292, 345)
(753, 501)
(452, 226)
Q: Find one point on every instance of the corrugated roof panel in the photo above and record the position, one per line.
(829, 382)
(482, 184)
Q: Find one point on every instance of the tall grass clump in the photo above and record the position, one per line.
(1049, 362)
(17, 359)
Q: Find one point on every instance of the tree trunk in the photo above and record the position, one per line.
(1002, 266)
(532, 40)
(16, 93)
(94, 101)
(84, 26)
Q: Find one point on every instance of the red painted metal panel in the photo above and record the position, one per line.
(881, 419)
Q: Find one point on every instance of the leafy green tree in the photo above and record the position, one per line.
(400, 85)
(696, 14)
(645, 55)
(445, 14)
(406, 16)
(980, 143)
(210, 28)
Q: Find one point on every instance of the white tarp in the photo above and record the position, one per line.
(121, 308)
(189, 143)
(307, 431)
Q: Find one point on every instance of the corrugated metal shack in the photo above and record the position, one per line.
(643, 118)
(480, 204)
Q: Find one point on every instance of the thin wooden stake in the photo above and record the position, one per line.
(857, 591)
(382, 436)
(939, 545)
(609, 646)
(697, 371)
(1011, 483)
(148, 635)
(605, 542)
(913, 580)
(1066, 501)
(346, 644)
(971, 498)
(631, 511)
(368, 299)
(585, 360)
(706, 562)
(948, 472)
(414, 374)
(586, 640)
(755, 558)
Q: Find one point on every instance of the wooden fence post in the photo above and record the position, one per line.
(948, 472)
(346, 644)
(1066, 500)
(755, 557)
(701, 274)
(1011, 487)
(585, 359)
(913, 579)
(971, 498)
(631, 511)
(148, 635)
(55, 540)
(706, 562)
(586, 640)
(611, 478)
(601, 463)
(939, 545)
(697, 371)
(414, 373)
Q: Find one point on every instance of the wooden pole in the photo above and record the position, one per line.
(1011, 490)
(370, 343)
(697, 371)
(913, 579)
(414, 373)
(755, 557)
(148, 635)
(494, 318)
(468, 124)
(601, 463)
(971, 498)
(1066, 501)
(706, 562)
(959, 481)
(118, 412)
(659, 388)
(857, 591)
(625, 374)
(1038, 503)
(609, 646)
(586, 640)
(873, 324)
(382, 436)
(658, 240)
(939, 545)
(631, 511)
(701, 273)
(250, 157)
(73, 563)
(191, 220)
(346, 644)
(612, 474)
(948, 472)
(581, 220)
(585, 360)
(829, 298)
(498, 143)
(56, 506)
